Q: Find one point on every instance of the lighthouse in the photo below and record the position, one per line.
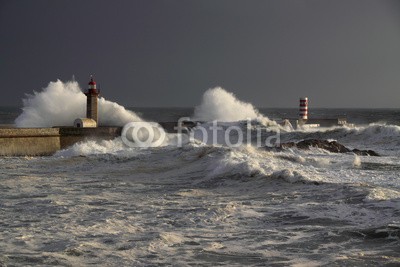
(91, 101)
(303, 109)
(91, 107)
(303, 112)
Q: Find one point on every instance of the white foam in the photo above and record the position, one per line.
(288, 175)
(381, 193)
(218, 104)
(385, 139)
(59, 104)
(115, 147)
(378, 137)
(92, 147)
(172, 238)
(357, 161)
(246, 161)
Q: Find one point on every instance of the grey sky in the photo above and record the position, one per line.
(167, 53)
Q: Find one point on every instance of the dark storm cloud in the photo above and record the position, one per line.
(166, 53)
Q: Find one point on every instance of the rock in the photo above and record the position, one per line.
(331, 146)
(365, 153)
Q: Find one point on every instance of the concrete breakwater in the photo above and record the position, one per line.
(46, 141)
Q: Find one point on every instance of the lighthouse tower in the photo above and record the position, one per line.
(303, 109)
(91, 103)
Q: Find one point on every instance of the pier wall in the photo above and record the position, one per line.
(71, 135)
(29, 142)
(47, 141)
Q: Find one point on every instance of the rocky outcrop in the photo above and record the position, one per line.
(331, 146)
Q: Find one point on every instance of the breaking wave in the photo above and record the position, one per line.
(374, 136)
(218, 104)
(49, 108)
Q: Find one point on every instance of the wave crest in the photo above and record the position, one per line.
(59, 104)
(218, 104)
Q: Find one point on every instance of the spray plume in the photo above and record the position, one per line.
(218, 104)
(59, 104)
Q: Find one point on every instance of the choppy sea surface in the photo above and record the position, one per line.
(106, 204)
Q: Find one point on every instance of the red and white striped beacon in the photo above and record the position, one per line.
(303, 110)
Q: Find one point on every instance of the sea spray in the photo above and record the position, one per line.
(229, 121)
(218, 104)
(59, 104)
(114, 114)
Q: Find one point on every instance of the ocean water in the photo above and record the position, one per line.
(201, 204)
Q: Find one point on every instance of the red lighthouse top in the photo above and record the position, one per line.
(92, 86)
(92, 82)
